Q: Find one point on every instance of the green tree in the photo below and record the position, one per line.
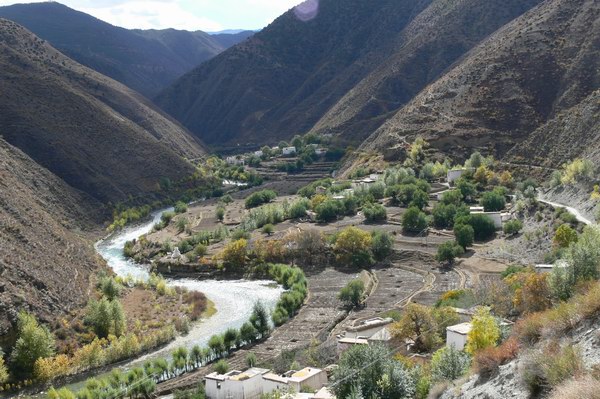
(220, 213)
(382, 244)
(493, 201)
(483, 227)
(216, 345)
(584, 255)
(467, 189)
(375, 213)
(370, 371)
(448, 251)
(99, 317)
(221, 367)
(110, 288)
(565, 236)
(251, 359)
(448, 364)
(512, 227)
(352, 293)
(419, 325)
(35, 341)
(420, 199)
(260, 319)
(118, 318)
(465, 235)
(414, 220)
(329, 210)
(484, 333)
(452, 197)
(3, 369)
(248, 333)
(181, 207)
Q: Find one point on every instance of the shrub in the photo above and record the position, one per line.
(382, 244)
(298, 209)
(452, 197)
(565, 236)
(268, 229)
(329, 211)
(200, 250)
(513, 227)
(449, 364)
(444, 215)
(467, 189)
(251, 359)
(181, 207)
(414, 220)
(221, 367)
(549, 366)
(493, 201)
(375, 213)
(352, 293)
(586, 387)
(34, 341)
(235, 253)
(260, 197)
(448, 251)
(488, 360)
(220, 213)
(465, 235)
(578, 170)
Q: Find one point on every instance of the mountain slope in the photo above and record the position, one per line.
(146, 61)
(290, 77)
(522, 77)
(94, 133)
(45, 266)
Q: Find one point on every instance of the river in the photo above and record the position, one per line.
(233, 300)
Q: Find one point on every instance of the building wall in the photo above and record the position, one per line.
(459, 341)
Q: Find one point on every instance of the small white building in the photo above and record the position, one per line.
(457, 335)
(308, 377)
(232, 160)
(289, 151)
(343, 344)
(321, 151)
(236, 384)
(547, 268)
(455, 174)
(258, 153)
(368, 328)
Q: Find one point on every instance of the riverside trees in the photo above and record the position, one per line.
(35, 341)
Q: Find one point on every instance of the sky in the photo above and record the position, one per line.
(206, 15)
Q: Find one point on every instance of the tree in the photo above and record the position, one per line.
(260, 319)
(584, 255)
(117, 318)
(418, 324)
(35, 341)
(234, 254)
(221, 367)
(110, 288)
(181, 207)
(475, 161)
(382, 244)
(220, 213)
(369, 371)
(484, 333)
(483, 227)
(467, 189)
(375, 213)
(565, 236)
(248, 333)
(352, 246)
(493, 201)
(352, 293)
(251, 359)
(448, 251)
(513, 227)
(329, 210)
(3, 369)
(231, 337)
(99, 317)
(216, 345)
(414, 220)
(448, 364)
(452, 197)
(465, 235)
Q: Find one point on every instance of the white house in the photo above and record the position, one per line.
(343, 344)
(457, 335)
(274, 382)
(289, 151)
(368, 328)
(455, 174)
(234, 161)
(307, 377)
(321, 151)
(236, 384)
(258, 153)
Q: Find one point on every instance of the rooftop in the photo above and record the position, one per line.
(304, 374)
(462, 328)
(353, 341)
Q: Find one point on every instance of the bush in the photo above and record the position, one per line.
(260, 197)
(484, 333)
(235, 253)
(414, 220)
(448, 251)
(298, 209)
(268, 229)
(181, 207)
(585, 387)
(382, 244)
(220, 213)
(513, 227)
(565, 236)
(452, 197)
(424, 325)
(352, 293)
(375, 213)
(488, 360)
(34, 342)
(444, 215)
(221, 367)
(449, 364)
(465, 235)
(578, 170)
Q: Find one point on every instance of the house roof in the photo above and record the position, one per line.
(462, 328)
(353, 341)
(304, 374)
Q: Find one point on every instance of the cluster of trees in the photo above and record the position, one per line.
(122, 217)
(259, 198)
(358, 248)
(352, 294)
(294, 281)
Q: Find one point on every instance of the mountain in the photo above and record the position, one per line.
(231, 39)
(97, 135)
(344, 71)
(45, 265)
(146, 61)
(529, 86)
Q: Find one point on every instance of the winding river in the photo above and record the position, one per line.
(233, 300)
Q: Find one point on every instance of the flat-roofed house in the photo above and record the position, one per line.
(457, 335)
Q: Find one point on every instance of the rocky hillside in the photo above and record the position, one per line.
(534, 77)
(146, 61)
(94, 133)
(45, 265)
(344, 71)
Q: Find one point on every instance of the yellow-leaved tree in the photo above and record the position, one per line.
(353, 246)
(484, 333)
